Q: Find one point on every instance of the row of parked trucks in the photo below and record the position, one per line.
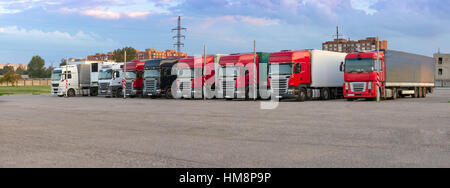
(301, 75)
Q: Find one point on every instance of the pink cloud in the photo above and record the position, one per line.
(101, 14)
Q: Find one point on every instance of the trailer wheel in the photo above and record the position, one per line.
(416, 93)
(301, 95)
(394, 94)
(71, 93)
(325, 94)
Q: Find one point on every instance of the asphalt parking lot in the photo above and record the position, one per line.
(46, 131)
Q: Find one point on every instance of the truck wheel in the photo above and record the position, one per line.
(119, 93)
(71, 93)
(325, 94)
(301, 95)
(169, 93)
(394, 94)
(94, 92)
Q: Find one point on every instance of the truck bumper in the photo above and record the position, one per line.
(372, 93)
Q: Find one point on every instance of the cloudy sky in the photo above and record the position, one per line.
(76, 28)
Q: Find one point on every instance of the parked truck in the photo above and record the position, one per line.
(306, 74)
(110, 80)
(191, 77)
(158, 79)
(387, 74)
(239, 76)
(76, 80)
(135, 78)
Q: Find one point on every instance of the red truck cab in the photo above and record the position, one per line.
(135, 77)
(235, 73)
(293, 71)
(361, 76)
(191, 80)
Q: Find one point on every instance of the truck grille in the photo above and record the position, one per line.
(150, 85)
(228, 87)
(55, 85)
(279, 86)
(104, 86)
(186, 86)
(358, 87)
(129, 86)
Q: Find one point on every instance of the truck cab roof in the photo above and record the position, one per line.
(289, 56)
(196, 61)
(136, 65)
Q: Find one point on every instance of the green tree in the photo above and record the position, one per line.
(10, 77)
(8, 69)
(48, 72)
(118, 54)
(20, 71)
(36, 67)
(63, 62)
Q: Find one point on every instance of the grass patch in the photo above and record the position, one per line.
(25, 90)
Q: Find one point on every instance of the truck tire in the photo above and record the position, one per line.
(168, 93)
(119, 93)
(302, 95)
(325, 94)
(93, 92)
(416, 93)
(71, 93)
(394, 94)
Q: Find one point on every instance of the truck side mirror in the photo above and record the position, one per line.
(342, 67)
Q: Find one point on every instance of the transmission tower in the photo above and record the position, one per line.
(179, 36)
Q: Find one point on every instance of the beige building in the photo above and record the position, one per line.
(442, 70)
(15, 66)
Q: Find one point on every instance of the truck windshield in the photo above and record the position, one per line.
(185, 73)
(283, 69)
(151, 73)
(105, 74)
(361, 65)
(131, 75)
(56, 75)
(230, 71)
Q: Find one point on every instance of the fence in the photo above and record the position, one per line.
(43, 82)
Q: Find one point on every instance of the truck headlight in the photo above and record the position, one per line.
(369, 85)
(346, 85)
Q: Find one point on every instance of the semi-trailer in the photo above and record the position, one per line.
(239, 75)
(159, 78)
(387, 74)
(134, 75)
(110, 80)
(306, 74)
(192, 77)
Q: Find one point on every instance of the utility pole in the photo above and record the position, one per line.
(67, 78)
(124, 85)
(255, 95)
(204, 74)
(179, 36)
(337, 38)
(378, 71)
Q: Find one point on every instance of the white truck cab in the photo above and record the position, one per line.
(110, 80)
